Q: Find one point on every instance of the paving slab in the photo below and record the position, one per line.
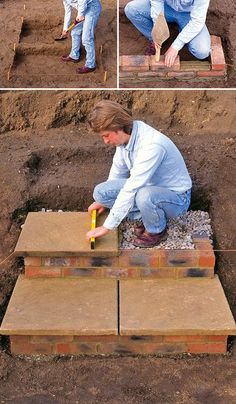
(174, 307)
(63, 233)
(62, 307)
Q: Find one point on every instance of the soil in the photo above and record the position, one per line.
(221, 21)
(37, 61)
(50, 158)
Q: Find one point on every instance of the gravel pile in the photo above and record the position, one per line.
(180, 231)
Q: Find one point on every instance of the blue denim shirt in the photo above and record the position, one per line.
(196, 8)
(149, 158)
(79, 5)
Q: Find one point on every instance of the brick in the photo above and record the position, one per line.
(134, 63)
(122, 272)
(98, 261)
(30, 349)
(82, 272)
(217, 338)
(204, 245)
(20, 338)
(195, 66)
(59, 261)
(207, 348)
(50, 339)
(215, 73)
(152, 75)
(76, 349)
(195, 272)
(217, 54)
(181, 75)
(184, 338)
(42, 272)
(33, 261)
(178, 258)
(136, 258)
(207, 259)
(158, 273)
(155, 66)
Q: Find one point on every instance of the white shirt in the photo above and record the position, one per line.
(149, 158)
(198, 11)
(79, 5)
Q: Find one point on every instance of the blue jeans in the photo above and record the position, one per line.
(85, 30)
(154, 205)
(139, 13)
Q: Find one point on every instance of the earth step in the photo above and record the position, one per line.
(51, 316)
(59, 249)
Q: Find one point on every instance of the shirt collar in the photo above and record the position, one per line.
(130, 144)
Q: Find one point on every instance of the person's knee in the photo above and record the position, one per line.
(200, 50)
(98, 193)
(129, 10)
(142, 196)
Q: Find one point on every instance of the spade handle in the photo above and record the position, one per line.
(158, 52)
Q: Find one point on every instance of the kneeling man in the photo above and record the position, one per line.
(148, 180)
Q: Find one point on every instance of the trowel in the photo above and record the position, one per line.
(160, 33)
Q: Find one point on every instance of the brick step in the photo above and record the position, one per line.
(59, 250)
(48, 316)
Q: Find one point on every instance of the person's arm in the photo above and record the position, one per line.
(157, 6)
(81, 7)
(67, 16)
(118, 169)
(195, 25)
(147, 161)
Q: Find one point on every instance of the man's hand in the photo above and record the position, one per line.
(98, 232)
(170, 56)
(99, 208)
(80, 18)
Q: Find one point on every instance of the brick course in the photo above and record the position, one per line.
(113, 345)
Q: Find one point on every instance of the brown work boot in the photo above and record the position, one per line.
(147, 240)
(150, 50)
(66, 58)
(139, 229)
(85, 69)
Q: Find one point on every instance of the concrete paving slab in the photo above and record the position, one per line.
(62, 307)
(174, 307)
(54, 233)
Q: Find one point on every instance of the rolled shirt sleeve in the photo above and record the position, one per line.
(146, 163)
(197, 21)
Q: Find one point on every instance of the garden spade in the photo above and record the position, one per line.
(160, 33)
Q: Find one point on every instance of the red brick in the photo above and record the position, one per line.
(120, 273)
(204, 245)
(146, 75)
(76, 349)
(178, 258)
(136, 258)
(33, 261)
(82, 272)
(50, 339)
(217, 338)
(184, 338)
(30, 349)
(155, 66)
(42, 272)
(207, 348)
(158, 273)
(211, 73)
(217, 54)
(206, 259)
(134, 63)
(20, 338)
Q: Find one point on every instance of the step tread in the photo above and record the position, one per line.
(62, 307)
(52, 233)
(174, 307)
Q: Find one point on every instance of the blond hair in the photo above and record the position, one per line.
(109, 115)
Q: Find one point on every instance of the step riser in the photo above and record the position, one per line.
(114, 345)
(134, 264)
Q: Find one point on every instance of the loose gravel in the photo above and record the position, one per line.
(180, 231)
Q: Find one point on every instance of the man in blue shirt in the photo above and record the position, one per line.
(148, 179)
(190, 15)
